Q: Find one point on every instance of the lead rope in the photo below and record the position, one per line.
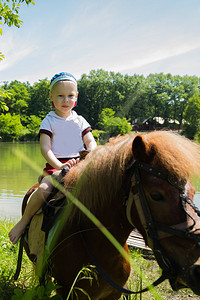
(19, 260)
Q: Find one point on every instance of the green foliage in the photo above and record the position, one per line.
(133, 98)
(97, 134)
(26, 287)
(4, 94)
(9, 12)
(192, 116)
(11, 128)
(33, 126)
(8, 254)
(113, 125)
(197, 136)
(39, 292)
(19, 97)
(86, 273)
(1, 54)
(40, 103)
(101, 89)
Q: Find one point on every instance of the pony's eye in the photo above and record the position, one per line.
(156, 196)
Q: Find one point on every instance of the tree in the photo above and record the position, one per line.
(9, 12)
(101, 89)
(40, 103)
(94, 94)
(19, 97)
(9, 15)
(4, 94)
(11, 127)
(192, 116)
(33, 126)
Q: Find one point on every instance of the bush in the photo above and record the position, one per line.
(189, 131)
(33, 126)
(113, 125)
(97, 135)
(11, 127)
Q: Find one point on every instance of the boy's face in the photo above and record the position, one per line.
(64, 95)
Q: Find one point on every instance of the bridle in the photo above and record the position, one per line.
(156, 230)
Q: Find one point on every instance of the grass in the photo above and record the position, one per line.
(150, 271)
(27, 287)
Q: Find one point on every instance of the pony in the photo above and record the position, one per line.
(135, 181)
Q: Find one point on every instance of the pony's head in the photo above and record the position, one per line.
(166, 163)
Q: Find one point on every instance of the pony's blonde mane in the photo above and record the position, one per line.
(100, 175)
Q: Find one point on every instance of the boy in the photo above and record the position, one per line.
(62, 134)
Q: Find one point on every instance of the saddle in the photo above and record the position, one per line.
(51, 210)
(37, 232)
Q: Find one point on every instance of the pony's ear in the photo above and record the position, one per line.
(141, 150)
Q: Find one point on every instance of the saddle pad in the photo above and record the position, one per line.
(36, 237)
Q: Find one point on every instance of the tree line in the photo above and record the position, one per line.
(110, 102)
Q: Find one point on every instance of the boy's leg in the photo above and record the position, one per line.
(35, 202)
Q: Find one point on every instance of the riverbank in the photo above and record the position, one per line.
(26, 287)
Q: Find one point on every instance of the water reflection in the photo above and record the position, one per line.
(16, 175)
(10, 204)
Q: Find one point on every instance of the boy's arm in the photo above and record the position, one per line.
(89, 141)
(45, 147)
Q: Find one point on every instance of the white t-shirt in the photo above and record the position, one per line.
(66, 133)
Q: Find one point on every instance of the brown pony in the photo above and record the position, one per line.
(132, 182)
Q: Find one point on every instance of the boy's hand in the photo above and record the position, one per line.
(70, 163)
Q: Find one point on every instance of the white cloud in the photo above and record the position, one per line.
(155, 56)
(14, 50)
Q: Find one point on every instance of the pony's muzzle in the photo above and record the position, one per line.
(189, 279)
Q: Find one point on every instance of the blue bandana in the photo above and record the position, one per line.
(63, 76)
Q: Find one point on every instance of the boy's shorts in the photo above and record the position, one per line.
(50, 170)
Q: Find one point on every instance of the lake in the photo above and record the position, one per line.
(20, 166)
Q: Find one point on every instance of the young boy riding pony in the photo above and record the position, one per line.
(63, 135)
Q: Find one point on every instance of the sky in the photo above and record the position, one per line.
(129, 36)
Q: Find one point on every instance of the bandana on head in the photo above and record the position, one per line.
(63, 76)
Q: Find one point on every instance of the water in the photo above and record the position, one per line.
(18, 175)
